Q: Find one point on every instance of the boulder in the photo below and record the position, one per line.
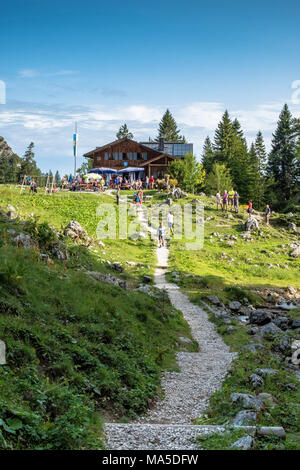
(75, 227)
(264, 372)
(292, 226)
(147, 279)
(291, 290)
(260, 317)
(270, 330)
(245, 418)
(284, 346)
(214, 299)
(256, 380)
(296, 252)
(25, 241)
(234, 305)
(12, 213)
(251, 224)
(296, 358)
(272, 431)
(295, 345)
(282, 322)
(244, 443)
(295, 324)
(247, 401)
(253, 347)
(268, 399)
(107, 278)
(117, 266)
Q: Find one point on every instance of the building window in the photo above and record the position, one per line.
(144, 155)
(135, 156)
(130, 155)
(116, 155)
(120, 155)
(106, 156)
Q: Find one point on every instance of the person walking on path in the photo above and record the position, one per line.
(171, 222)
(160, 235)
(236, 201)
(218, 200)
(267, 214)
(249, 210)
(225, 201)
(141, 195)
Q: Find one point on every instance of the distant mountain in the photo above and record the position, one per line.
(5, 150)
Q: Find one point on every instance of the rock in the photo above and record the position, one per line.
(295, 324)
(185, 340)
(251, 224)
(2, 353)
(107, 278)
(260, 317)
(296, 252)
(291, 386)
(295, 345)
(75, 227)
(137, 235)
(292, 226)
(271, 431)
(230, 243)
(245, 443)
(270, 330)
(60, 251)
(46, 258)
(11, 231)
(253, 347)
(284, 346)
(246, 235)
(25, 241)
(268, 399)
(245, 418)
(214, 299)
(282, 322)
(177, 193)
(234, 305)
(256, 380)
(230, 329)
(223, 255)
(12, 213)
(291, 290)
(296, 357)
(131, 263)
(247, 400)
(147, 279)
(252, 331)
(264, 372)
(117, 267)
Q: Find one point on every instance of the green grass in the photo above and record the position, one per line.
(77, 349)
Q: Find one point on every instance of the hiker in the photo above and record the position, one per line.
(225, 201)
(236, 201)
(151, 181)
(141, 194)
(160, 234)
(230, 198)
(147, 182)
(218, 200)
(136, 198)
(171, 222)
(249, 210)
(267, 214)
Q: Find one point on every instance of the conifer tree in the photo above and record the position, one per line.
(168, 129)
(124, 132)
(208, 155)
(283, 161)
(223, 138)
(28, 164)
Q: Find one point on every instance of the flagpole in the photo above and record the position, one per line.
(75, 140)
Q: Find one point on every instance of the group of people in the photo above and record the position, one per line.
(231, 199)
(228, 199)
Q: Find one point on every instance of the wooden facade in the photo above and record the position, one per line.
(129, 153)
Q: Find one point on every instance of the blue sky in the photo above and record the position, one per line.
(104, 63)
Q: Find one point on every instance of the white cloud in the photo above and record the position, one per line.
(27, 73)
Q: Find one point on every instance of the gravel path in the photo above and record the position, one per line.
(186, 392)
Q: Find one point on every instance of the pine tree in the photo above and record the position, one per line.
(124, 132)
(283, 162)
(223, 138)
(57, 178)
(28, 164)
(208, 155)
(168, 129)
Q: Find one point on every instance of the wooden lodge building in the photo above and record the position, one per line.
(126, 153)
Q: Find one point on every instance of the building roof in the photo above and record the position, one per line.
(118, 141)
